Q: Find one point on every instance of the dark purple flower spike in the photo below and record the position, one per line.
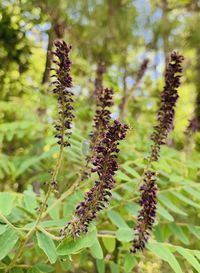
(148, 190)
(62, 85)
(105, 166)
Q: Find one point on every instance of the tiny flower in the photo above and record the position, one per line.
(62, 84)
(105, 166)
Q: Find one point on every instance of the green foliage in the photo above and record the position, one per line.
(118, 33)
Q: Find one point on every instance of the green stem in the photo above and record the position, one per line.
(42, 209)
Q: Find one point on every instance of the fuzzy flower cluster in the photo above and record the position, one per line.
(62, 85)
(169, 97)
(105, 166)
(102, 116)
(147, 213)
(101, 121)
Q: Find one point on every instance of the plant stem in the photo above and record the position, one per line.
(42, 209)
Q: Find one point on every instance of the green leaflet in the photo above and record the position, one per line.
(96, 250)
(3, 228)
(129, 262)
(100, 266)
(130, 171)
(114, 268)
(187, 254)
(47, 245)
(164, 213)
(44, 267)
(165, 201)
(109, 243)
(69, 246)
(30, 201)
(186, 200)
(16, 270)
(193, 192)
(179, 233)
(6, 202)
(194, 230)
(125, 234)
(165, 254)
(133, 208)
(33, 270)
(122, 176)
(7, 241)
(117, 219)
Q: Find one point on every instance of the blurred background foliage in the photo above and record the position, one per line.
(110, 41)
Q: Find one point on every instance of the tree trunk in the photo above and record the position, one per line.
(56, 32)
(197, 106)
(46, 73)
(98, 84)
(165, 30)
(123, 104)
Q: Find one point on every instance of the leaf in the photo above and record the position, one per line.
(3, 228)
(109, 243)
(125, 234)
(116, 219)
(100, 266)
(130, 171)
(129, 263)
(187, 254)
(185, 199)
(178, 231)
(33, 270)
(6, 202)
(196, 253)
(165, 254)
(31, 161)
(55, 212)
(193, 192)
(163, 199)
(7, 241)
(96, 250)
(164, 213)
(116, 196)
(194, 230)
(122, 176)
(44, 267)
(16, 270)
(30, 201)
(133, 208)
(47, 245)
(69, 246)
(114, 268)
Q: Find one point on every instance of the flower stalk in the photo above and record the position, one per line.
(61, 84)
(105, 166)
(165, 118)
